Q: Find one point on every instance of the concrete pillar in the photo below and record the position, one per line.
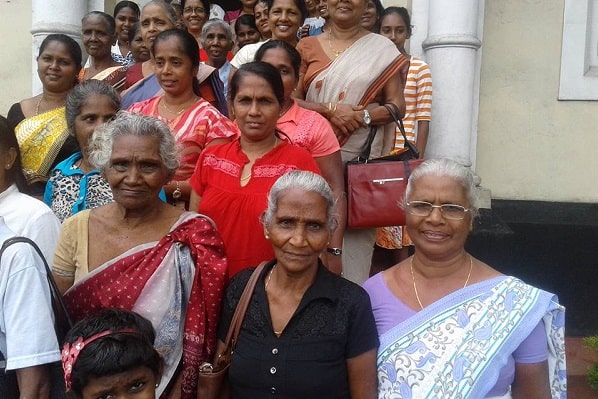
(452, 48)
(54, 17)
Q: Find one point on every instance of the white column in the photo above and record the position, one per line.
(97, 5)
(452, 49)
(54, 17)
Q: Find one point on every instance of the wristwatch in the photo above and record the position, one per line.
(367, 119)
(335, 251)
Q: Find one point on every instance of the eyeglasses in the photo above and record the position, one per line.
(191, 10)
(448, 211)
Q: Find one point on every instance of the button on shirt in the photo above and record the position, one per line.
(332, 323)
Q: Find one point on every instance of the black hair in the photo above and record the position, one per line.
(107, 18)
(293, 54)
(114, 353)
(133, 30)
(264, 71)
(247, 20)
(8, 140)
(127, 4)
(299, 3)
(379, 12)
(72, 46)
(401, 12)
(189, 46)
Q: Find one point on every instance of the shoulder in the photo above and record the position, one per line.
(142, 105)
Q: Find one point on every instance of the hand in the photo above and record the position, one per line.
(304, 31)
(345, 120)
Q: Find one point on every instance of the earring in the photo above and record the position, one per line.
(267, 236)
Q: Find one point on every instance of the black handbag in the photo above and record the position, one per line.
(62, 324)
(376, 186)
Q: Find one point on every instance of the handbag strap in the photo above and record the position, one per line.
(393, 110)
(57, 302)
(239, 315)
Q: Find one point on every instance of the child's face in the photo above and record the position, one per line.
(139, 383)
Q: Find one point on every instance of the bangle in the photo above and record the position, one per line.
(332, 107)
(176, 194)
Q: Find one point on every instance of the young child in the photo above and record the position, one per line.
(111, 354)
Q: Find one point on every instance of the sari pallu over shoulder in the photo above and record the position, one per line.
(354, 78)
(457, 346)
(177, 283)
(40, 139)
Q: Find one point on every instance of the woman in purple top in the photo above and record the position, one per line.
(450, 325)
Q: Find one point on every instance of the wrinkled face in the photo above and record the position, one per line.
(256, 108)
(135, 171)
(217, 44)
(369, 17)
(393, 27)
(174, 68)
(154, 19)
(139, 383)
(247, 35)
(125, 19)
(140, 52)
(56, 68)
(299, 231)
(97, 37)
(435, 236)
(279, 59)
(194, 16)
(96, 110)
(284, 19)
(260, 12)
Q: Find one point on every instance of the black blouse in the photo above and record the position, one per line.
(333, 323)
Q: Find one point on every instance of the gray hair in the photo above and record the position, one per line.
(303, 180)
(125, 123)
(79, 94)
(216, 22)
(170, 11)
(446, 168)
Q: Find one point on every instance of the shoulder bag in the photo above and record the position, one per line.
(213, 377)
(62, 324)
(375, 187)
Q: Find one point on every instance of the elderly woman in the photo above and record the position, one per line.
(310, 130)
(450, 325)
(193, 120)
(307, 333)
(144, 249)
(40, 123)
(99, 32)
(217, 42)
(339, 81)
(231, 181)
(75, 184)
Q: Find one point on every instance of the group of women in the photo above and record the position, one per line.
(268, 187)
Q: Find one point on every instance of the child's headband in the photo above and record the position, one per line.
(70, 352)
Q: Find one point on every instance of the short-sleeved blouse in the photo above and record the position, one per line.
(236, 209)
(333, 323)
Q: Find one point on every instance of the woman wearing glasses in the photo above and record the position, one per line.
(449, 324)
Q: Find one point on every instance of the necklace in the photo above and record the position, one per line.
(180, 111)
(277, 333)
(244, 179)
(415, 286)
(337, 52)
(38, 103)
(269, 275)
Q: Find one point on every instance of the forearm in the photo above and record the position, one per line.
(34, 382)
(423, 127)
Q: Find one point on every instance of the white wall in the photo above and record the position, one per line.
(530, 145)
(15, 51)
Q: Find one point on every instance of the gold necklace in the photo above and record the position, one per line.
(180, 111)
(415, 286)
(336, 52)
(38, 103)
(244, 179)
(277, 333)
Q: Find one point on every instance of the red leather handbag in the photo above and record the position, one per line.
(375, 187)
